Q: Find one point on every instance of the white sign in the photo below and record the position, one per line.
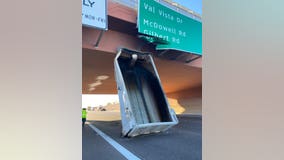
(94, 13)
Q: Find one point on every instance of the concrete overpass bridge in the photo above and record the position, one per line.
(180, 72)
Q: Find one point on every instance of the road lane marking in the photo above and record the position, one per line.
(127, 154)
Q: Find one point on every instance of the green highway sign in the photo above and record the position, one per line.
(181, 32)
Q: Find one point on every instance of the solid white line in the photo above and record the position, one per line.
(127, 154)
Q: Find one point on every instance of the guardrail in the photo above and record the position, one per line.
(174, 6)
(129, 3)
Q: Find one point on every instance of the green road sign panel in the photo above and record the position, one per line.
(181, 32)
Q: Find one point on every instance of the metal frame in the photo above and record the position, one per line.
(193, 59)
(99, 38)
(130, 127)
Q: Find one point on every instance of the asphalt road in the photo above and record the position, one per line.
(181, 142)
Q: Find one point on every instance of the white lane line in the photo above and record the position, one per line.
(127, 154)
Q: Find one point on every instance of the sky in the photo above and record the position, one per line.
(94, 100)
(195, 5)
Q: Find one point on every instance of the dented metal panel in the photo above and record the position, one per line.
(143, 104)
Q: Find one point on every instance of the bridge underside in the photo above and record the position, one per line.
(175, 76)
(180, 76)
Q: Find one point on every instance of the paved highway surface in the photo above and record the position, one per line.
(181, 142)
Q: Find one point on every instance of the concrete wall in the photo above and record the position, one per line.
(186, 101)
(103, 115)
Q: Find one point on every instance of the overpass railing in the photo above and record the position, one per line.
(174, 6)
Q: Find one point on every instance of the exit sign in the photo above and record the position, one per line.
(179, 31)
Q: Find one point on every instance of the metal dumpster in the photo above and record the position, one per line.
(143, 104)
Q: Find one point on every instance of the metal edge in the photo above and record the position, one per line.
(168, 105)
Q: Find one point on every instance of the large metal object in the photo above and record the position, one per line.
(143, 104)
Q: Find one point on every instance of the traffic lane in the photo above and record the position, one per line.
(95, 147)
(183, 141)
